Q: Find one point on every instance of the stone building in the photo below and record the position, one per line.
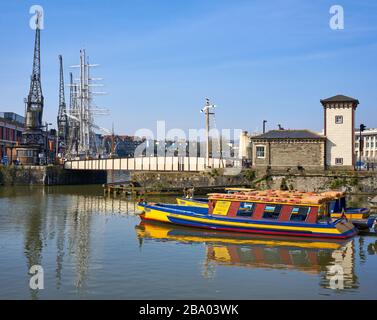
(335, 148)
(284, 149)
(339, 117)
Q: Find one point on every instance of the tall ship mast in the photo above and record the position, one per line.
(82, 136)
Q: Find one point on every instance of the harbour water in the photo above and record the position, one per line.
(91, 247)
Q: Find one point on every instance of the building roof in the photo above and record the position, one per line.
(340, 98)
(289, 134)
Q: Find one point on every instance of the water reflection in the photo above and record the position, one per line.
(62, 216)
(313, 257)
(372, 248)
(33, 243)
(87, 246)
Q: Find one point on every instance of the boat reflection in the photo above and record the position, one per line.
(311, 256)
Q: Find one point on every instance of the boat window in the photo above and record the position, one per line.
(337, 205)
(272, 212)
(299, 213)
(333, 206)
(246, 209)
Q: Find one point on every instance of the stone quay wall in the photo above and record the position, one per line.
(48, 175)
(350, 181)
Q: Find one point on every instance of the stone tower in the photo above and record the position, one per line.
(339, 116)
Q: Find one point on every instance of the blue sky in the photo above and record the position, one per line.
(255, 59)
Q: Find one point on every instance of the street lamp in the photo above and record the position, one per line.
(361, 143)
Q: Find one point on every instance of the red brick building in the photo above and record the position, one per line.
(11, 128)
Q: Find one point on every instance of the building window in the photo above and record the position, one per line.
(339, 119)
(272, 212)
(356, 145)
(299, 214)
(260, 151)
(339, 161)
(246, 209)
(25, 153)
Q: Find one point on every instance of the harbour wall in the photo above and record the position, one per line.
(349, 181)
(49, 175)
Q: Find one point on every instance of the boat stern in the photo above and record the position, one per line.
(345, 228)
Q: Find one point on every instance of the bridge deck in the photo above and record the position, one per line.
(187, 164)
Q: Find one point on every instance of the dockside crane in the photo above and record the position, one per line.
(62, 120)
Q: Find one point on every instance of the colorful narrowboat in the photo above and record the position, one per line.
(306, 215)
(360, 217)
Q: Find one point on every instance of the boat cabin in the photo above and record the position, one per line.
(273, 205)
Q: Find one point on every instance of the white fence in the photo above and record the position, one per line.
(152, 164)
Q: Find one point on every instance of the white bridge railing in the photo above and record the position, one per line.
(188, 164)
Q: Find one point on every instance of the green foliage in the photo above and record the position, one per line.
(343, 182)
(249, 175)
(214, 173)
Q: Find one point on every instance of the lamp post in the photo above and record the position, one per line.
(207, 111)
(361, 143)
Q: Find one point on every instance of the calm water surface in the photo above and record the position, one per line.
(93, 247)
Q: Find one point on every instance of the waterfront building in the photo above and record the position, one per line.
(333, 148)
(369, 150)
(12, 126)
(339, 116)
(289, 148)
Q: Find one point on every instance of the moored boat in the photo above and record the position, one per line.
(306, 215)
(360, 217)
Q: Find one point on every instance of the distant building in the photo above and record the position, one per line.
(369, 152)
(289, 148)
(11, 127)
(124, 146)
